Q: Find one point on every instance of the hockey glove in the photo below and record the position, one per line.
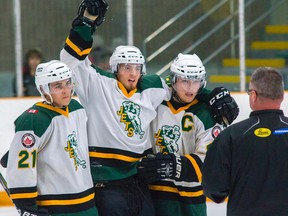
(160, 166)
(4, 160)
(94, 7)
(31, 211)
(223, 107)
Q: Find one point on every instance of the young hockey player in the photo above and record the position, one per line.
(120, 107)
(181, 132)
(48, 169)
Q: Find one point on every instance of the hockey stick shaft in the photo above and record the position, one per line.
(4, 184)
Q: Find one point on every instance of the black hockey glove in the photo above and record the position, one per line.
(95, 8)
(160, 166)
(4, 160)
(31, 211)
(223, 107)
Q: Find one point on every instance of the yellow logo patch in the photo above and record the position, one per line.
(262, 132)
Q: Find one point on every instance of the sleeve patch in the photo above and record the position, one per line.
(28, 140)
(216, 131)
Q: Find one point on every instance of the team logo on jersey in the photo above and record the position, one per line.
(28, 140)
(167, 138)
(216, 131)
(72, 148)
(262, 132)
(130, 115)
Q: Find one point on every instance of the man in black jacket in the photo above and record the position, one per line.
(248, 161)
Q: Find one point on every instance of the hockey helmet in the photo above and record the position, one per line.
(126, 55)
(50, 72)
(190, 67)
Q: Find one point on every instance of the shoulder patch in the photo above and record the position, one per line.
(28, 140)
(262, 132)
(34, 111)
(216, 131)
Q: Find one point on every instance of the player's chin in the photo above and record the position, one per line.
(188, 98)
(66, 101)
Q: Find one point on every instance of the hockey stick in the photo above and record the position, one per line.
(4, 184)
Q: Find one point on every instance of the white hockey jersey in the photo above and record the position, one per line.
(186, 131)
(118, 121)
(48, 161)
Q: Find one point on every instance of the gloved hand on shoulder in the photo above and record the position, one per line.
(223, 107)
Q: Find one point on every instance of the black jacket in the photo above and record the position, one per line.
(248, 162)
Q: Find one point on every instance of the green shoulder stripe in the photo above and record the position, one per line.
(103, 72)
(74, 105)
(149, 81)
(39, 118)
(36, 119)
(203, 113)
(204, 95)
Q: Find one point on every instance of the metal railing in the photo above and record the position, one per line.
(224, 22)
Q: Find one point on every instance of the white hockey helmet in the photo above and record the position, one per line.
(50, 72)
(126, 55)
(188, 66)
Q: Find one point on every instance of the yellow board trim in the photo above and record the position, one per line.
(4, 199)
(76, 49)
(113, 156)
(65, 202)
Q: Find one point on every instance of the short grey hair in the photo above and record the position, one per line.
(268, 82)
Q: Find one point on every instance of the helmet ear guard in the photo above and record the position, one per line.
(50, 72)
(126, 55)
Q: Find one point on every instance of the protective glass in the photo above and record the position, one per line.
(60, 86)
(192, 84)
(131, 67)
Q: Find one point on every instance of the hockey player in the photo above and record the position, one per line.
(181, 132)
(120, 107)
(48, 169)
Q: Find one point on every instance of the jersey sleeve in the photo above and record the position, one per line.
(22, 163)
(75, 54)
(206, 131)
(205, 136)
